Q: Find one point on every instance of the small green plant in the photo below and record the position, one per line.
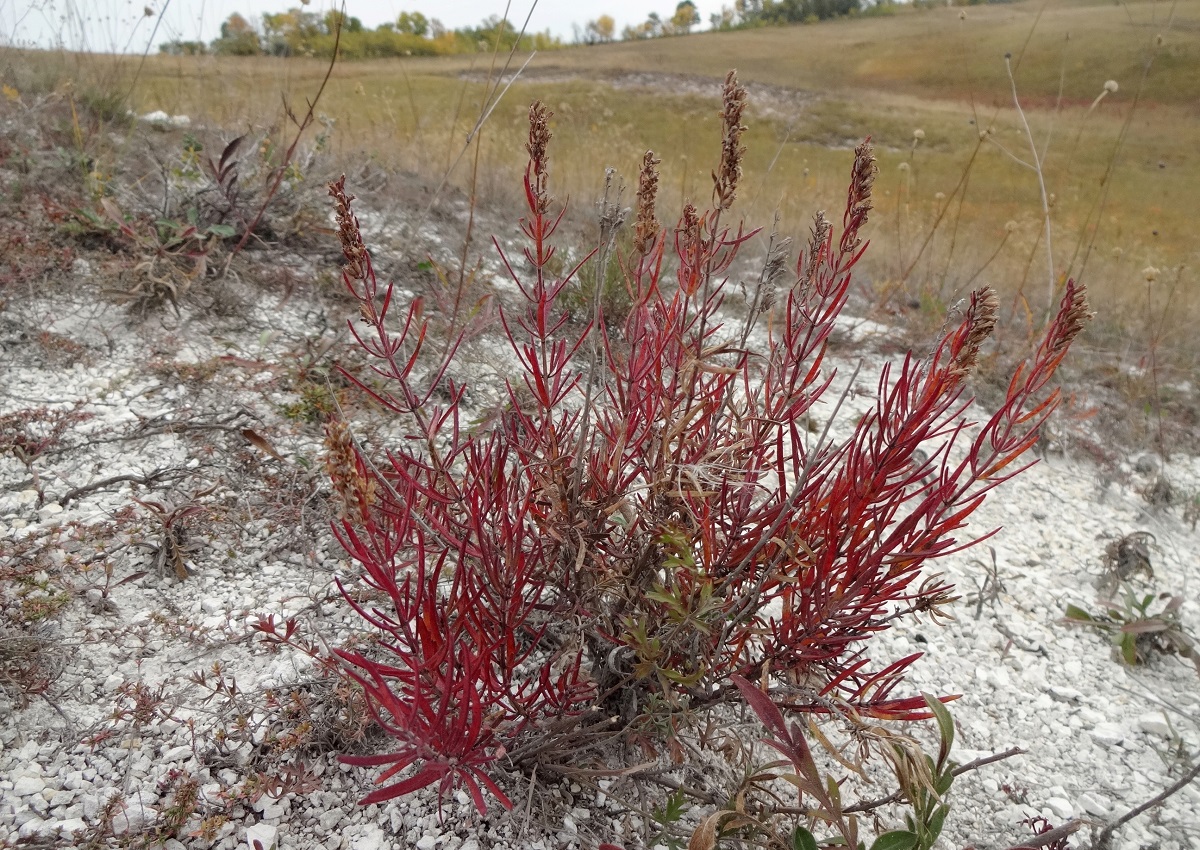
(170, 255)
(924, 781)
(1136, 630)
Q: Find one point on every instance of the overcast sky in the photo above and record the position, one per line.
(121, 25)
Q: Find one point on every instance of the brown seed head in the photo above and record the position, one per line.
(816, 246)
(1073, 315)
(858, 200)
(982, 316)
(726, 178)
(353, 248)
(647, 226)
(539, 139)
(353, 490)
(689, 228)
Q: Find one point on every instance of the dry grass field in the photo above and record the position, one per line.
(959, 206)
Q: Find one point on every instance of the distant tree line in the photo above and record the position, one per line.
(298, 32)
(743, 14)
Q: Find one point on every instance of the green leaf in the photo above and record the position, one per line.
(944, 781)
(936, 822)
(895, 840)
(222, 230)
(1074, 612)
(802, 839)
(1128, 646)
(944, 721)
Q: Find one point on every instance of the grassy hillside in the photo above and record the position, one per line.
(952, 209)
(937, 53)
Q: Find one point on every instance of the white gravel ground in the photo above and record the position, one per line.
(1099, 737)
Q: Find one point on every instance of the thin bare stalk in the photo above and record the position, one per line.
(281, 169)
(1037, 166)
(1104, 839)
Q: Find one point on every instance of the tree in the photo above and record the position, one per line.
(601, 30)
(726, 19)
(652, 27)
(413, 23)
(293, 32)
(685, 18)
(238, 38)
(335, 20)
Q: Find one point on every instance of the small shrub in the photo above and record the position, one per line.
(650, 518)
(1137, 631)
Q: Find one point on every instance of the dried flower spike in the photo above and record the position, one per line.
(817, 246)
(349, 233)
(981, 319)
(647, 226)
(726, 178)
(353, 489)
(539, 139)
(858, 199)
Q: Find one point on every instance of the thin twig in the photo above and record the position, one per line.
(1049, 837)
(1104, 839)
(896, 796)
(301, 126)
(145, 480)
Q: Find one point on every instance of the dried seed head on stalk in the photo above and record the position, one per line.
(1073, 316)
(858, 200)
(982, 317)
(726, 178)
(689, 231)
(539, 139)
(816, 246)
(348, 231)
(690, 245)
(354, 492)
(647, 226)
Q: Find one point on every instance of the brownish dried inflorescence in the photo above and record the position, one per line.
(858, 197)
(689, 242)
(353, 489)
(821, 229)
(647, 226)
(982, 319)
(726, 178)
(348, 231)
(539, 139)
(1073, 316)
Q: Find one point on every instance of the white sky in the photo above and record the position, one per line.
(121, 25)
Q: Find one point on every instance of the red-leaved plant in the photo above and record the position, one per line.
(649, 514)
